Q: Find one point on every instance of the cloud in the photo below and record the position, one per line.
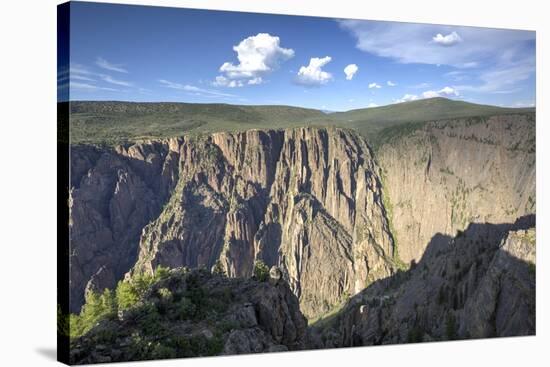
(222, 81)
(374, 85)
(409, 43)
(390, 83)
(104, 64)
(81, 73)
(82, 77)
(258, 56)
(313, 75)
(524, 104)
(193, 89)
(449, 40)
(444, 92)
(256, 80)
(503, 79)
(111, 80)
(89, 87)
(407, 98)
(372, 105)
(350, 71)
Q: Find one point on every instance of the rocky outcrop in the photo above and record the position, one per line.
(447, 174)
(480, 283)
(237, 316)
(307, 200)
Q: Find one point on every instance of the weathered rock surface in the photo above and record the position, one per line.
(447, 174)
(310, 201)
(237, 316)
(480, 283)
(307, 200)
(113, 195)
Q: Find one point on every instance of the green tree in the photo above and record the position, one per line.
(261, 271)
(126, 295)
(98, 306)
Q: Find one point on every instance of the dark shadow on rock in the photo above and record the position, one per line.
(463, 287)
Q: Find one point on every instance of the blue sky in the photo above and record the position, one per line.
(138, 53)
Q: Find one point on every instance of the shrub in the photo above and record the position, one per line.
(97, 307)
(129, 292)
(162, 352)
(218, 268)
(63, 322)
(165, 294)
(187, 309)
(126, 295)
(261, 271)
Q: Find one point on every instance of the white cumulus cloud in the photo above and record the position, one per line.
(350, 71)
(374, 85)
(222, 81)
(313, 74)
(256, 80)
(258, 55)
(444, 92)
(451, 39)
(391, 84)
(407, 98)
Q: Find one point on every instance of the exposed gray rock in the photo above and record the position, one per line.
(448, 174)
(306, 200)
(480, 283)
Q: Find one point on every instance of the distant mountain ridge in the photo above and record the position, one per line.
(112, 122)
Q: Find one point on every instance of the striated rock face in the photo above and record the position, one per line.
(447, 174)
(307, 200)
(113, 195)
(194, 313)
(478, 284)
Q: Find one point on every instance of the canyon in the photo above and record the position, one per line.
(316, 202)
(424, 231)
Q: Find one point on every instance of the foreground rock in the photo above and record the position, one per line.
(478, 284)
(195, 313)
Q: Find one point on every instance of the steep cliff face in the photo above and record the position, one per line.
(113, 195)
(307, 199)
(480, 283)
(326, 217)
(447, 174)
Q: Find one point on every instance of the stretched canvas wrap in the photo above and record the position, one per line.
(236, 183)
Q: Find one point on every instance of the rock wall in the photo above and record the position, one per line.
(448, 174)
(308, 200)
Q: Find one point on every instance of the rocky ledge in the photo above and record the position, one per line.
(196, 313)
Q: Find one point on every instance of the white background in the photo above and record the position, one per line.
(28, 182)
